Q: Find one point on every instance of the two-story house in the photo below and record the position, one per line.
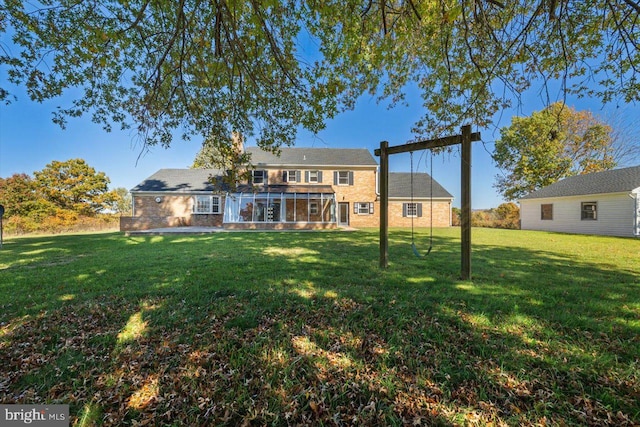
(302, 188)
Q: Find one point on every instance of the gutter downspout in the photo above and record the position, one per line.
(636, 196)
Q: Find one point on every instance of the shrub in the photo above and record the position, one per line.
(507, 215)
(455, 217)
(64, 221)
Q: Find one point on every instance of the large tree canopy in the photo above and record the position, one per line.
(265, 68)
(75, 186)
(552, 144)
(18, 194)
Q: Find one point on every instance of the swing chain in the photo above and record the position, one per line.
(414, 206)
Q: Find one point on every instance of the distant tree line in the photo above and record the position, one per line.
(63, 196)
(507, 215)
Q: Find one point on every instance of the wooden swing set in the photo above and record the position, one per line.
(465, 139)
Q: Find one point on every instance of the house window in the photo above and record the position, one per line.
(313, 177)
(291, 176)
(343, 178)
(546, 212)
(259, 177)
(589, 210)
(314, 208)
(363, 208)
(206, 205)
(412, 209)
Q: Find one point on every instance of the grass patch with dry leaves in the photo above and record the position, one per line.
(304, 328)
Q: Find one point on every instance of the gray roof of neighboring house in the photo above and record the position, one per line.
(179, 180)
(300, 156)
(400, 186)
(611, 181)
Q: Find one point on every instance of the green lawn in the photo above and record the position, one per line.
(295, 328)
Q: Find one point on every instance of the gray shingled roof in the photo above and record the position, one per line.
(194, 180)
(611, 181)
(300, 156)
(179, 180)
(400, 186)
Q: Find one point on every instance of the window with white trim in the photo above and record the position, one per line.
(363, 208)
(290, 176)
(314, 177)
(589, 211)
(314, 208)
(206, 205)
(412, 210)
(343, 177)
(259, 176)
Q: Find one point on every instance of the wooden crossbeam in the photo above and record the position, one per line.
(427, 144)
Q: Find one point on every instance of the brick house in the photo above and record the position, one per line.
(303, 188)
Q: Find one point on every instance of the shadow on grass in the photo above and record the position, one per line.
(288, 328)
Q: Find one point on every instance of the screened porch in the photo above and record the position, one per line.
(292, 205)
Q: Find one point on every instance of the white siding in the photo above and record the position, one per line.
(616, 215)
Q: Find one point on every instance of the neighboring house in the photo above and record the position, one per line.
(401, 206)
(605, 203)
(303, 188)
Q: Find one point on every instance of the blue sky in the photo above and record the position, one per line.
(29, 140)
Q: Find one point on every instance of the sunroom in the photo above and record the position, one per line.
(281, 207)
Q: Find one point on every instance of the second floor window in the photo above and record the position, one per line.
(259, 176)
(291, 176)
(343, 178)
(313, 177)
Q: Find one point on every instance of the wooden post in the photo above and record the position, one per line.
(465, 212)
(384, 205)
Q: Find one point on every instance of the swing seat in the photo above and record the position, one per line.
(416, 253)
(415, 250)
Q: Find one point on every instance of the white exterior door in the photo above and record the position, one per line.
(343, 213)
